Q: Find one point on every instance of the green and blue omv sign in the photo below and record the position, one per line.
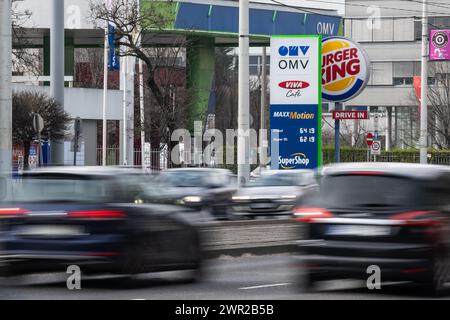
(295, 102)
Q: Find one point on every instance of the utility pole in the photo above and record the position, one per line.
(57, 70)
(243, 157)
(5, 87)
(424, 88)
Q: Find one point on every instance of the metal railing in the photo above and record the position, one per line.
(158, 159)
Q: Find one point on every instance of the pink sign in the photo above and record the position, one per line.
(440, 45)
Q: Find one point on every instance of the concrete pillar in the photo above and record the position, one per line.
(200, 73)
(388, 128)
(127, 66)
(90, 142)
(396, 127)
(5, 87)
(57, 70)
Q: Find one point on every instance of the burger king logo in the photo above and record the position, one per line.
(345, 69)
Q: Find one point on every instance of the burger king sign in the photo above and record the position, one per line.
(345, 69)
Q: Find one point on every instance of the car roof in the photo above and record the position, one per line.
(198, 170)
(290, 172)
(408, 170)
(86, 170)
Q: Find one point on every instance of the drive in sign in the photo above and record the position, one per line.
(350, 115)
(295, 102)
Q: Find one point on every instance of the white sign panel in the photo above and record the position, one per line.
(294, 76)
(375, 148)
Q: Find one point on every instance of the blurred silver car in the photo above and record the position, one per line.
(274, 193)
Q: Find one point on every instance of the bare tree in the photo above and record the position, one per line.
(136, 32)
(89, 69)
(24, 59)
(130, 23)
(23, 105)
(439, 107)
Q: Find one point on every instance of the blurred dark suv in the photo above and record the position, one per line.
(392, 216)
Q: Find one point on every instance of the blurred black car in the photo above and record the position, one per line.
(274, 193)
(55, 217)
(207, 189)
(391, 216)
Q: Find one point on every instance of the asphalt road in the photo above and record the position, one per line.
(246, 277)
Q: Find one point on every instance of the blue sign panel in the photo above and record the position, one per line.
(219, 18)
(294, 128)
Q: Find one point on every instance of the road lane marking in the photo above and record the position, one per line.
(266, 286)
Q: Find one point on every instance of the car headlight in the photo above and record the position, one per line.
(240, 198)
(191, 199)
(288, 197)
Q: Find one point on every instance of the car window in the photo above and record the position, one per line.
(41, 188)
(275, 180)
(368, 191)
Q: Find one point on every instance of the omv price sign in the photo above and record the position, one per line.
(294, 138)
(295, 102)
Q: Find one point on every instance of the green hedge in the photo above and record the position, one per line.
(411, 155)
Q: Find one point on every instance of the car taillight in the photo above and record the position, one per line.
(417, 218)
(97, 214)
(311, 214)
(12, 212)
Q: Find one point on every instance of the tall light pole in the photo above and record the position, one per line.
(5, 87)
(424, 88)
(57, 70)
(243, 156)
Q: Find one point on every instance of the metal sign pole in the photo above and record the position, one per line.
(337, 142)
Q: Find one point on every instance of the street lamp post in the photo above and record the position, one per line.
(5, 87)
(243, 96)
(57, 70)
(424, 88)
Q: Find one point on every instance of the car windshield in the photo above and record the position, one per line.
(57, 189)
(185, 178)
(368, 191)
(275, 180)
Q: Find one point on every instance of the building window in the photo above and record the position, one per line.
(381, 73)
(403, 81)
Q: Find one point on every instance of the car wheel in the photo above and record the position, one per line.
(438, 276)
(307, 282)
(197, 274)
(140, 254)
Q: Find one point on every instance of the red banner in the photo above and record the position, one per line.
(350, 115)
(417, 89)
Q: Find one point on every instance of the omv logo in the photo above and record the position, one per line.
(293, 51)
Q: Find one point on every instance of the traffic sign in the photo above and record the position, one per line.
(375, 148)
(38, 122)
(369, 139)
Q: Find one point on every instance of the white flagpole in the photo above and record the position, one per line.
(125, 104)
(105, 88)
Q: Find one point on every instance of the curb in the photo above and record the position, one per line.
(258, 249)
